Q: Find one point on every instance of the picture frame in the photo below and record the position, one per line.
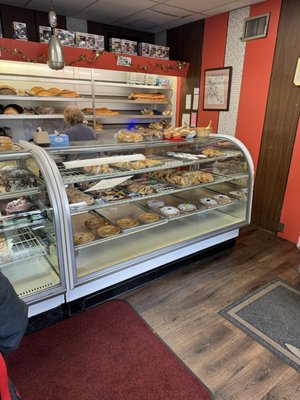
(217, 85)
(297, 74)
(255, 27)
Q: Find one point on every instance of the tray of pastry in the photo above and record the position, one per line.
(205, 198)
(145, 186)
(131, 216)
(236, 192)
(186, 178)
(103, 196)
(140, 164)
(91, 227)
(170, 206)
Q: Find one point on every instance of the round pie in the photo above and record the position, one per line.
(126, 222)
(148, 217)
(83, 237)
(94, 223)
(108, 230)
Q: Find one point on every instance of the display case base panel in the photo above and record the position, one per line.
(115, 254)
(146, 265)
(29, 279)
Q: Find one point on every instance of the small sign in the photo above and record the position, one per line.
(193, 120)
(196, 90)
(185, 119)
(124, 61)
(108, 183)
(188, 101)
(196, 102)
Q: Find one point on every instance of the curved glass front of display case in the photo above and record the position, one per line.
(28, 230)
(133, 202)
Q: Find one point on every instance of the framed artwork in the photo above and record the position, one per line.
(217, 84)
(255, 27)
(297, 74)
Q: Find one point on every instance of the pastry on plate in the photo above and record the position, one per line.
(108, 230)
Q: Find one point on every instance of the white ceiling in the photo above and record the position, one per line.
(146, 15)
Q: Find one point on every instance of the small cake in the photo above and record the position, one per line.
(18, 205)
(169, 211)
(83, 237)
(208, 202)
(148, 217)
(187, 207)
(155, 203)
(222, 199)
(108, 230)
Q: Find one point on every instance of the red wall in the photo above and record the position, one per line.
(290, 213)
(255, 81)
(213, 55)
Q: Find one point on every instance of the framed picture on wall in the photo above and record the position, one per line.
(217, 84)
(297, 74)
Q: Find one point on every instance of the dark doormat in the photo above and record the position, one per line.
(105, 353)
(271, 316)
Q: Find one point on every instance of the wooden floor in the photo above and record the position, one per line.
(183, 306)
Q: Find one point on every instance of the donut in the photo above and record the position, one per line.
(222, 199)
(208, 202)
(94, 223)
(155, 203)
(83, 237)
(187, 207)
(169, 211)
(238, 194)
(148, 217)
(108, 230)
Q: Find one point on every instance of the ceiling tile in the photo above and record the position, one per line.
(173, 11)
(197, 5)
(63, 7)
(108, 11)
(148, 15)
(178, 22)
(229, 7)
(17, 3)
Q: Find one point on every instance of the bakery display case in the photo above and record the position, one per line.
(30, 229)
(137, 206)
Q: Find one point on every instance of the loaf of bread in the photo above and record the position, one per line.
(6, 90)
(147, 96)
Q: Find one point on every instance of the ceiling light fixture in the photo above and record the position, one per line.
(55, 51)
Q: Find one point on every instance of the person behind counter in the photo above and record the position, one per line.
(78, 131)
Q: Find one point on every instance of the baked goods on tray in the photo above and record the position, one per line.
(208, 202)
(83, 237)
(97, 169)
(222, 199)
(187, 207)
(140, 164)
(13, 109)
(140, 188)
(76, 196)
(148, 96)
(126, 223)
(5, 143)
(108, 230)
(67, 93)
(212, 153)
(155, 204)
(126, 136)
(238, 194)
(148, 217)
(169, 211)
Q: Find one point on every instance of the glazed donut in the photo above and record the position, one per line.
(155, 203)
(169, 211)
(187, 207)
(208, 202)
(83, 237)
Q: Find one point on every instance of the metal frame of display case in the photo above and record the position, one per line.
(49, 297)
(95, 281)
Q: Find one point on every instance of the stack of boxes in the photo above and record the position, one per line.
(94, 42)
